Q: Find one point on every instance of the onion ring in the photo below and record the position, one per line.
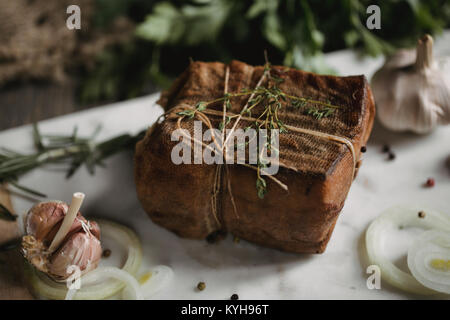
(401, 216)
(151, 282)
(429, 260)
(49, 289)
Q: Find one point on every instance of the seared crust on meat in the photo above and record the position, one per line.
(318, 172)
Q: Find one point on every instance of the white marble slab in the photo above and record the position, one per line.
(251, 271)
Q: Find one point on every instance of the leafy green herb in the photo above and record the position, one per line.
(282, 126)
(296, 33)
(227, 121)
(27, 190)
(296, 103)
(261, 187)
(320, 113)
(189, 113)
(37, 138)
(200, 106)
(71, 150)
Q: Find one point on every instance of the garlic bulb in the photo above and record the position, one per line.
(412, 91)
(81, 246)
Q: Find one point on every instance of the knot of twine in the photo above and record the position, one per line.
(174, 113)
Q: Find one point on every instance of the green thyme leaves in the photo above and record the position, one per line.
(261, 187)
(320, 113)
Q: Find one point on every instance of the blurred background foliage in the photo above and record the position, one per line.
(294, 32)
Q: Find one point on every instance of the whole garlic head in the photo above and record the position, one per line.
(412, 90)
(81, 246)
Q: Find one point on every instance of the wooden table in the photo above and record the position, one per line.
(25, 103)
(11, 276)
(30, 102)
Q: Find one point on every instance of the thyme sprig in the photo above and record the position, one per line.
(272, 98)
(71, 150)
(320, 113)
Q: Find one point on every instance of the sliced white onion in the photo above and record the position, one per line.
(70, 293)
(401, 216)
(49, 289)
(102, 273)
(160, 277)
(429, 260)
(151, 282)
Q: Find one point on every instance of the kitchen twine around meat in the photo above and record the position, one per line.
(174, 113)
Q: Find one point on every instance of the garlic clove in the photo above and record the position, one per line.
(42, 217)
(80, 223)
(94, 229)
(45, 218)
(81, 249)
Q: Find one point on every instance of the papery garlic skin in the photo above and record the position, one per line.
(43, 217)
(80, 247)
(412, 91)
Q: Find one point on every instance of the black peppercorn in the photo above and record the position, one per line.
(201, 286)
(421, 214)
(386, 148)
(391, 156)
(363, 149)
(106, 253)
(234, 297)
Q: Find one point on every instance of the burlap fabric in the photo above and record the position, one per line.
(36, 44)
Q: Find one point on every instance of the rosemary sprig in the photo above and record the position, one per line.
(71, 150)
(27, 190)
(5, 214)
